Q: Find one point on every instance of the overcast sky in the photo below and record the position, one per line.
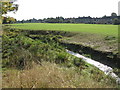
(40, 9)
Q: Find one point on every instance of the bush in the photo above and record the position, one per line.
(61, 58)
(110, 38)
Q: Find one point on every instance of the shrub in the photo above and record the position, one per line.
(110, 38)
(21, 59)
(61, 57)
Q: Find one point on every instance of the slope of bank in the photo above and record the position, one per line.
(51, 75)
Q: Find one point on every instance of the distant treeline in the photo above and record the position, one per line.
(87, 20)
(113, 19)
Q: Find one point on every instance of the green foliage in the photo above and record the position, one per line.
(6, 20)
(87, 55)
(62, 57)
(8, 7)
(116, 21)
(5, 8)
(20, 51)
(79, 62)
(21, 59)
(113, 14)
(110, 38)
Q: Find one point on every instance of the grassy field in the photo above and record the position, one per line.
(89, 28)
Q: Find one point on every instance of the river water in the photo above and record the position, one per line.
(106, 69)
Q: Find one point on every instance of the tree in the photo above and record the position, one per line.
(116, 21)
(8, 20)
(113, 14)
(7, 7)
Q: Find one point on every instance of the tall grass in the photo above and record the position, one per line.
(50, 75)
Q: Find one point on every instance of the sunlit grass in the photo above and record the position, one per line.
(89, 28)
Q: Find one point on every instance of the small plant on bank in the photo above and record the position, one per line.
(110, 38)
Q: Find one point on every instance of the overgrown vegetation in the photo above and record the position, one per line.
(42, 62)
(51, 75)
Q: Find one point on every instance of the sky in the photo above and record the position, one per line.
(40, 9)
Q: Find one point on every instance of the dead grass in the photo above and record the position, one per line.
(49, 75)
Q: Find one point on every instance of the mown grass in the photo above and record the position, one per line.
(89, 28)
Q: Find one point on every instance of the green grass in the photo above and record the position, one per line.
(89, 28)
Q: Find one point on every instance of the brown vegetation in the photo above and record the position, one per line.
(50, 75)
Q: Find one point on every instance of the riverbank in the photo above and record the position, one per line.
(74, 41)
(23, 52)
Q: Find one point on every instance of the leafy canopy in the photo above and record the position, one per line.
(8, 7)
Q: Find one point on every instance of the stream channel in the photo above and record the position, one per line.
(105, 61)
(106, 69)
